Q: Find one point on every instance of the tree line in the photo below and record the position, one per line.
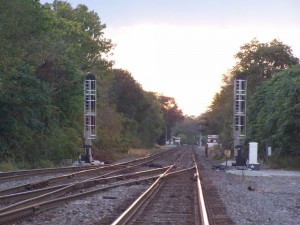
(273, 99)
(273, 104)
(45, 53)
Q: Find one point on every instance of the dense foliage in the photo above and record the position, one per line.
(188, 130)
(140, 110)
(171, 114)
(261, 61)
(273, 109)
(45, 53)
(274, 113)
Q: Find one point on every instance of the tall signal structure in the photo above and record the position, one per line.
(89, 116)
(239, 112)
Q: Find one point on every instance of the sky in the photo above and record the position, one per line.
(181, 48)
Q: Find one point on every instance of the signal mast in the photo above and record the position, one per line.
(239, 112)
(89, 120)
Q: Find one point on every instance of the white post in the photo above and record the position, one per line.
(269, 151)
(253, 153)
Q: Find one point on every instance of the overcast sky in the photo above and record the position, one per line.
(181, 48)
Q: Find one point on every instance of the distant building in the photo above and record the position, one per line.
(212, 140)
(176, 140)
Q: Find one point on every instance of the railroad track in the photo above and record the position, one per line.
(170, 202)
(41, 188)
(24, 174)
(168, 195)
(43, 198)
(174, 198)
(82, 174)
(216, 210)
(69, 178)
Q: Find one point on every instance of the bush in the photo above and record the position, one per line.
(291, 163)
(7, 166)
(42, 164)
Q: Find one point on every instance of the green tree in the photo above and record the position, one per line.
(151, 121)
(140, 110)
(128, 95)
(258, 62)
(72, 45)
(21, 95)
(45, 54)
(274, 115)
(218, 118)
(171, 114)
(188, 130)
(22, 106)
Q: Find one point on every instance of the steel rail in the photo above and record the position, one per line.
(71, 188)
(13, 215)
(81, 169)
(69, 168)
(47, 182)
(86, 183)
(28, 194)
(13, 175)
(19, 173)
(202, 206)
(142, 200)
(30, 210)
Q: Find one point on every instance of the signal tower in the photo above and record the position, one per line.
(239, 112)
(89, 116)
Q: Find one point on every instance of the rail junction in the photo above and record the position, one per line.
(169, 189)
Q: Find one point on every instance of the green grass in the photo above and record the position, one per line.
(12, 166)
(7, 166)
(140, 152)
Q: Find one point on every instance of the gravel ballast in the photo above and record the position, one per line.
(249, 200)
(258, 200)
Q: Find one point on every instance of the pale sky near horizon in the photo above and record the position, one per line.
(181, 48)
